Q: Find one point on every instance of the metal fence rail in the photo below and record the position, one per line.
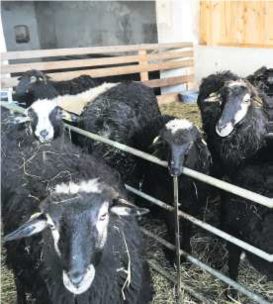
(247, 194)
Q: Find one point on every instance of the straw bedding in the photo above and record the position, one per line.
(206, 247)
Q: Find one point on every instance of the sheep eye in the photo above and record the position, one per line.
(246, 99)
(51, 226)
(103, 217)
(30, 113)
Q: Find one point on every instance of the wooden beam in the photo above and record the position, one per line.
(124, 70)
(11, 82)
(144, 76)
(79, 63)
(171, 81)
(91, 50)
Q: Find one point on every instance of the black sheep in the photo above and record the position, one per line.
(34, 85)
(248, 221)
(263, 80)
(180, 143)
(234, 120)
(86, 245)
(120, 114)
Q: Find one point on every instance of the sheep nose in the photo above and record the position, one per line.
(44, 133)
(76, 277)
(222, 127)
(174, 171)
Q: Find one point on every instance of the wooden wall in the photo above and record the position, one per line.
(236, 23)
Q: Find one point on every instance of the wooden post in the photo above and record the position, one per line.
(144, 76)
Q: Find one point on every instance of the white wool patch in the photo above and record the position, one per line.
(246, 97)
(43, 106)
(102, 224)
(55, 234)
(179, 124)
(236, 83)
(91, 186)
(76, 103)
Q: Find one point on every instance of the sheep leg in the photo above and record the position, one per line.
(234, 253)
(184, 237)
(186, 229)
(21, 295)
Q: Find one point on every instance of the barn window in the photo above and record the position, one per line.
(21, 34)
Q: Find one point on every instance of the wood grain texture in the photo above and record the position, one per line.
(236, 23)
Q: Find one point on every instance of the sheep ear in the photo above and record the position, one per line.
(214, 97)
(34, 225)
(128, 211)
(20, 119)
(156, 142)
(70, 116)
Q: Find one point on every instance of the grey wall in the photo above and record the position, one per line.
(19, 13)
(61, 24)
(76, 24)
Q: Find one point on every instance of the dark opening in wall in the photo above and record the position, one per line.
(21, 34)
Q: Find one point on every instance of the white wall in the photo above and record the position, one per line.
(176, 22)
(100, 23)
(242, 61)
(3, 47)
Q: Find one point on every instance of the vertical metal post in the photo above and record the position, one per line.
(177, 237)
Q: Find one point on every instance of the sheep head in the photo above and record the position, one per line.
(180, 141)
(75, 219)
(236, 99)
(36, 84)
(46, 117)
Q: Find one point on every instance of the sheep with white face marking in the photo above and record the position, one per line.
(234, 120)
(42, 121)
(70, 234)
(34, 85)
(180, 143)
(45, 115)
(120, 114)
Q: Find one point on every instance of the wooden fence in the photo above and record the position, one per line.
(118, 60)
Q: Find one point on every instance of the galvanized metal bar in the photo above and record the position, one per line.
(190, 290)
(252, 196)
(262, 254)
(207, 268)
(12, 106)
(177, 237)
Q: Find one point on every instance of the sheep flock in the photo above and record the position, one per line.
(72, 232)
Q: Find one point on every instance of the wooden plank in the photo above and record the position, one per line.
(250, 28)
(144, 76)
(11, 82)
(156, 83)
(171, 81)
(125, 70)
(79, 63)
(167, 98)
(91, 50)
(247, 45)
